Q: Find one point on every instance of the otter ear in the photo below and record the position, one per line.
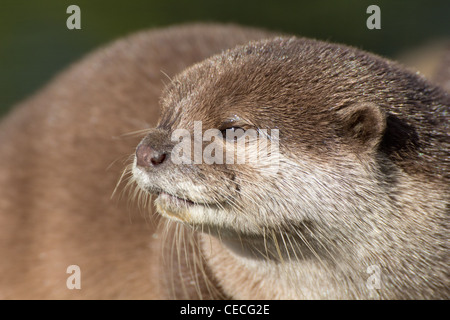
(363, 123)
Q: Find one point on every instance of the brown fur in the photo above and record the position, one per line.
(62, 151)
(61, 154)
(363, 177)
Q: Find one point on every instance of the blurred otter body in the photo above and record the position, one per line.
(61, 154)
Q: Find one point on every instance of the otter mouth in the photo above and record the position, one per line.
(180, 208)
(178, 201)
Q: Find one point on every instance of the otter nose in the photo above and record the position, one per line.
(146, 156)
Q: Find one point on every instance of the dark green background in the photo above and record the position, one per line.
(35, 43)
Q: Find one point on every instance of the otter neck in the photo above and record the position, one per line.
(244, 272)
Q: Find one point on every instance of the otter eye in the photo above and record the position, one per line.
(232, 133)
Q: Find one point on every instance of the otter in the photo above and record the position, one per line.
(358, 206)
(63, 150)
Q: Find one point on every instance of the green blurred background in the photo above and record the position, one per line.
(35, 43)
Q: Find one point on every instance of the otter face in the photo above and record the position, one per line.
(303, 126)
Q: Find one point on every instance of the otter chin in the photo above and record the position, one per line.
(361, 178)
(174, 207)
(181, 209)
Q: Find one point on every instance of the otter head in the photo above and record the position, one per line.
(309, 108)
